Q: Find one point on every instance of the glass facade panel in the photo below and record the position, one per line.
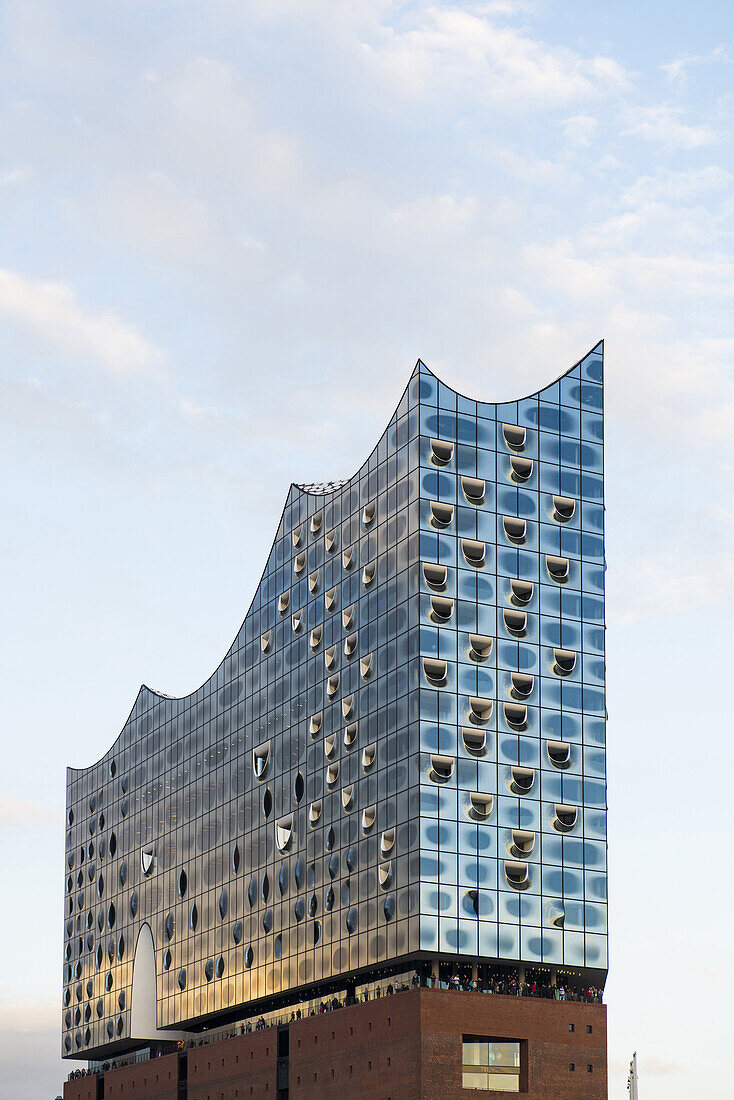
(403, 750)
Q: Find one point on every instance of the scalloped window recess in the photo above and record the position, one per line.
(564, 508)
(368, 513)
(297, 621)
(564, 661)
(283, 833)
(330, 540)
(517, 874)
(435, 671)
(441, 513)
(521, 469)
(523, 843)
(329, 743)
(365, 666)
(147, 860)
(559, 753)
(557, 917)
(284, 600)
(348, 557)
(332, 685)
(522, 685)
(316, 520)
(558, 568)
(313, 581)
(475, 740)
(515, 529)
(369, 755)
(442, 608)
(265, 641)
(516, 715)
(316, 635)
(297, 535)
(330, 599)
(368, 573)
(332, 773)
(348, 706)
(314, 811)
(480, 646)
(442, 451)
(369, 816)
(521, 592)
(384, 874)
(474, 489)
(314, 722)
(515, 622)
(474, 552)
(299, 563)
(565, 817)
(434, 575)
(522, 779)
(350, 734)
(480, 805)
(348, 616)
(260, 760)
(348, 797)
(480, 710)
(350, 644)
(330, 656)
(442, 768)
(515, 436)
(387, 842)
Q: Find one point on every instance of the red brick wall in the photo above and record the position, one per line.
(403, 1047)
(233, 1069)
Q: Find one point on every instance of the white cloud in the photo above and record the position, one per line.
(440, 49)
(14, 177)
(580, 129)
(665, 125)
(51, 313)
(678, 70)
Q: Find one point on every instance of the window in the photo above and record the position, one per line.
(571, 1027)
(491, 1064)
(589, 1029)
(571, 1067)
(442, 451)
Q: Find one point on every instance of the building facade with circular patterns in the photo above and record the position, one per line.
(401, 758)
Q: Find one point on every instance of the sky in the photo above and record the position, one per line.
(228, 229)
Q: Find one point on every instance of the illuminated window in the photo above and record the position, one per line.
(492, 1065)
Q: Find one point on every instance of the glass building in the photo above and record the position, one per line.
(399, 762)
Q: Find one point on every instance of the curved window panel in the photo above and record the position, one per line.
(316, 520)
(442, 768)
(480, 710)
(315, 637)
(348, 797)
(365, 666)
(260, 760)
(331, 599)
(332, 684)
(369, 815)
(559, 753)
(523, 779)
(475, 740)
(314, 723)
(522, 685)
(265, 641)
(314, 811)
(474, 489)
(330, 656)
(435, 671)
(348, 706)
(517, 874)
(480, 806)
(515, 528)
(329, 743)
(297, 536)
(283, 601)
(434, 575)
(516, 715)
(297, 621)
(523, 843)
(368, 573)
(350, 644)
(514, 436)
(348, 557)
(521, 469)
(368, 513)
(515, 621)
(441, 513)
(442, 608)
(369, 754)
(521, 592)
(350, 734)
(299, 563)
(348, 617)
(442, 451)
(564, 509)
(387, 841)
(331, 539)
(474, 552)
(564, 661)
(480, 646)
(385, 875)
(565, 817)
(313, 581)
(283, 833)
(558, 568)
(332, 773)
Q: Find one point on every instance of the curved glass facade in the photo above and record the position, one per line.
(401, 755)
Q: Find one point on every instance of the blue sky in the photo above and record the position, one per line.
(227, 231)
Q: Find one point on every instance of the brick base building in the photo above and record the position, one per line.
(421, 1044)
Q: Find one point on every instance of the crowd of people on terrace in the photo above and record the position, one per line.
(506, 986)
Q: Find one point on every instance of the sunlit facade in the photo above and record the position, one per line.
(401, 759)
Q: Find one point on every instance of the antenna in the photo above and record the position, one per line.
(632, 1078)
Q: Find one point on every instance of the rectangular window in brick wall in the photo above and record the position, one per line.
(491, 1064)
